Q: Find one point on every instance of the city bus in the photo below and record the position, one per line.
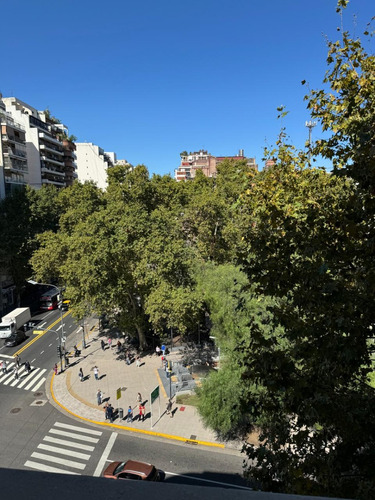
(49, 300)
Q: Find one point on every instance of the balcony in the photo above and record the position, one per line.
(15, 165)
(38, 123)
(51, 171)
(48, 138)
(55, 182)
(18, 179)
(17, 154)
(7, 120)
(54, 161)
(51, 148)
(13, 139)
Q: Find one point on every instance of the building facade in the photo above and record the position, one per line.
(93, 162)
(206, 163)
(49, 156)
(13, 157)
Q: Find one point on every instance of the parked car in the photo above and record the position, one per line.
(132, 470)
(15, 339)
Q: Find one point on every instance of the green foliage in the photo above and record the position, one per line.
(222, 400)
(22, 216)
(308, 240)
(237, 314)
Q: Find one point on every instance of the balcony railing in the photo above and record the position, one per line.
(9, 121)
(14, 153)
(38, 123)
(13, 138)
(48, 170)
(55, 182)
(51, 148)
(16, 165)
(48, 138)
(54, 161)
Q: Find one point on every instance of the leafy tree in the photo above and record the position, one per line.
(305, 234)
(23, 215)
(228, 398)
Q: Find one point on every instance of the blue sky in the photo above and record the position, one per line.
(151, 79)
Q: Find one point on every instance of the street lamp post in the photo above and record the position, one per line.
(83, 335)
(60, 351)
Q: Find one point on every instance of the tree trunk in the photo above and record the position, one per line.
(141, 337)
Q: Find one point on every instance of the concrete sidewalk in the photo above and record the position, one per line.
(79, 398)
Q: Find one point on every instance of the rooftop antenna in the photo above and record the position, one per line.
(310, 125)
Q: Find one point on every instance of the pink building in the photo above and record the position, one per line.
(204, 161)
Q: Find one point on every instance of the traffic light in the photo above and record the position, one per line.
(59, 351)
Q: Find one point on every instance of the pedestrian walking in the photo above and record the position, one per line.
(138, 362)
(139, 398)
(1, 366)
(110, 412)
(15, 373)
(99, 397)
(102, 343)
(80, 374)
(109, 342)
(27, 367)
(55, 369)
(141, 412)
(18, 360)
(105, 407)
(5, 367)
(96, 373)
(169, 408)
(130, 414)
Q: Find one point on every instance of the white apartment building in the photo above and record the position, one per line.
(50, 156)
(93, 162)
(13, 159)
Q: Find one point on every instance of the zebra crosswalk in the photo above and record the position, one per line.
(27, 381)
(50, 453)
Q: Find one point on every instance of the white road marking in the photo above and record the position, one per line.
(42, 352)
(7, 373)
(70, 453)
(32, 361)
(41, 382)
(69, 443)
(74, 436)
(105, 455)
(35, 379)
(41, 326)
(76, 427)
(60, 461)
(20, 372)
(29, 377)
(47, 468)
(209, 481)
(6, 355)
(59, 328)
(50, 345)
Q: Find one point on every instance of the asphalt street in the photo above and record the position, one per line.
(36, 436)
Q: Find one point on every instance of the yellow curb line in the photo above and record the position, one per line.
(40, 335)
(131, 429)
(160, 383)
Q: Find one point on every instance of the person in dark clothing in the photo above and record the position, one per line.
(27, 367)
(110, 412)
(102, 343)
